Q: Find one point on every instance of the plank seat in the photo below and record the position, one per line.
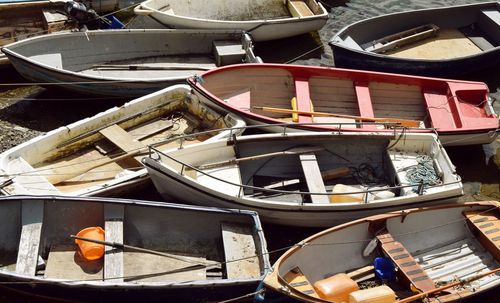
(364, 101)
(31, 179)
(299, 8)
(487, 227)
(122, 139)
(493, 15)
(407, 265)
(239, 245)
(29, 244)
(303, 99)
(313, 177)
(230, 173)
(489, 23)
(440, 111)
(113, 227)
(477, 37)
(299, 281)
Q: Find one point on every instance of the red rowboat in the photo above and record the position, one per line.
(459, 111)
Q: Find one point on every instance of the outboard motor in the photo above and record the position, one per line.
(82, 15)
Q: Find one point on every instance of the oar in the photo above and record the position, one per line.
(292, 151)
(402, 122)
(148, 67)
(66, 172)
(435, 290)
(145, 250)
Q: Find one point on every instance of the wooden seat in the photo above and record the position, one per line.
(408, 267)
(313, 177)
(113, 226)
(303, 99)
(364, 101)
(441, 114)
(487, 228)
(31, 219)
(32, 181)
(299, 8)
(239, 245)
(297, 280)
(122, 139)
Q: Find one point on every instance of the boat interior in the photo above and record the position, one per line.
(123, 54)
(342, 170)
(23, 20)
(346, 97)
(240, 10)
(37, 242)
(110, 147)
(420, 250)
(462, 31)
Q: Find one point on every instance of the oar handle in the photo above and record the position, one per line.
(435, 290)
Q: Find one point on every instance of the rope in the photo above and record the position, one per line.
(244, 296)
(422, 172)
(304, 54)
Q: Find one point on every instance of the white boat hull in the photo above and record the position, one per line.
(260, 29)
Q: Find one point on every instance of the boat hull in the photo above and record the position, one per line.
(225, 186)
(440, 241)
(140, 221)
(174, 189)
(465, 42)
(459, 68)
(125, 63)
(271, 28)
(122, 179)
(455, 122)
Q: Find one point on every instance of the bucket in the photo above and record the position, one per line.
(89, 250)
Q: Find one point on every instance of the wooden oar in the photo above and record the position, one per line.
(402, 122)
(461, 282)
(292, 151)
(149, 251)
(148, 67)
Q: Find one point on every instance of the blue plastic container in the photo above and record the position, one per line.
(114, 23)
(384, 269)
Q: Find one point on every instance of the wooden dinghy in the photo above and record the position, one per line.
(126, 62)
(101, 155)
(308, 179)
(453, 41)
(460, 111)
(445, 254)
(162, 253)
(263, 19)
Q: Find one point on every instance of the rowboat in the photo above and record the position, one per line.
(314, 179)
(101, 155)
(23, 19)
(263, 19)
(452, 41)
(159, 251)
(126, 62)
(459, 111)
(445, 254)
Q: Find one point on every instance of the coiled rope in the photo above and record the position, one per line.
(423, 172)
